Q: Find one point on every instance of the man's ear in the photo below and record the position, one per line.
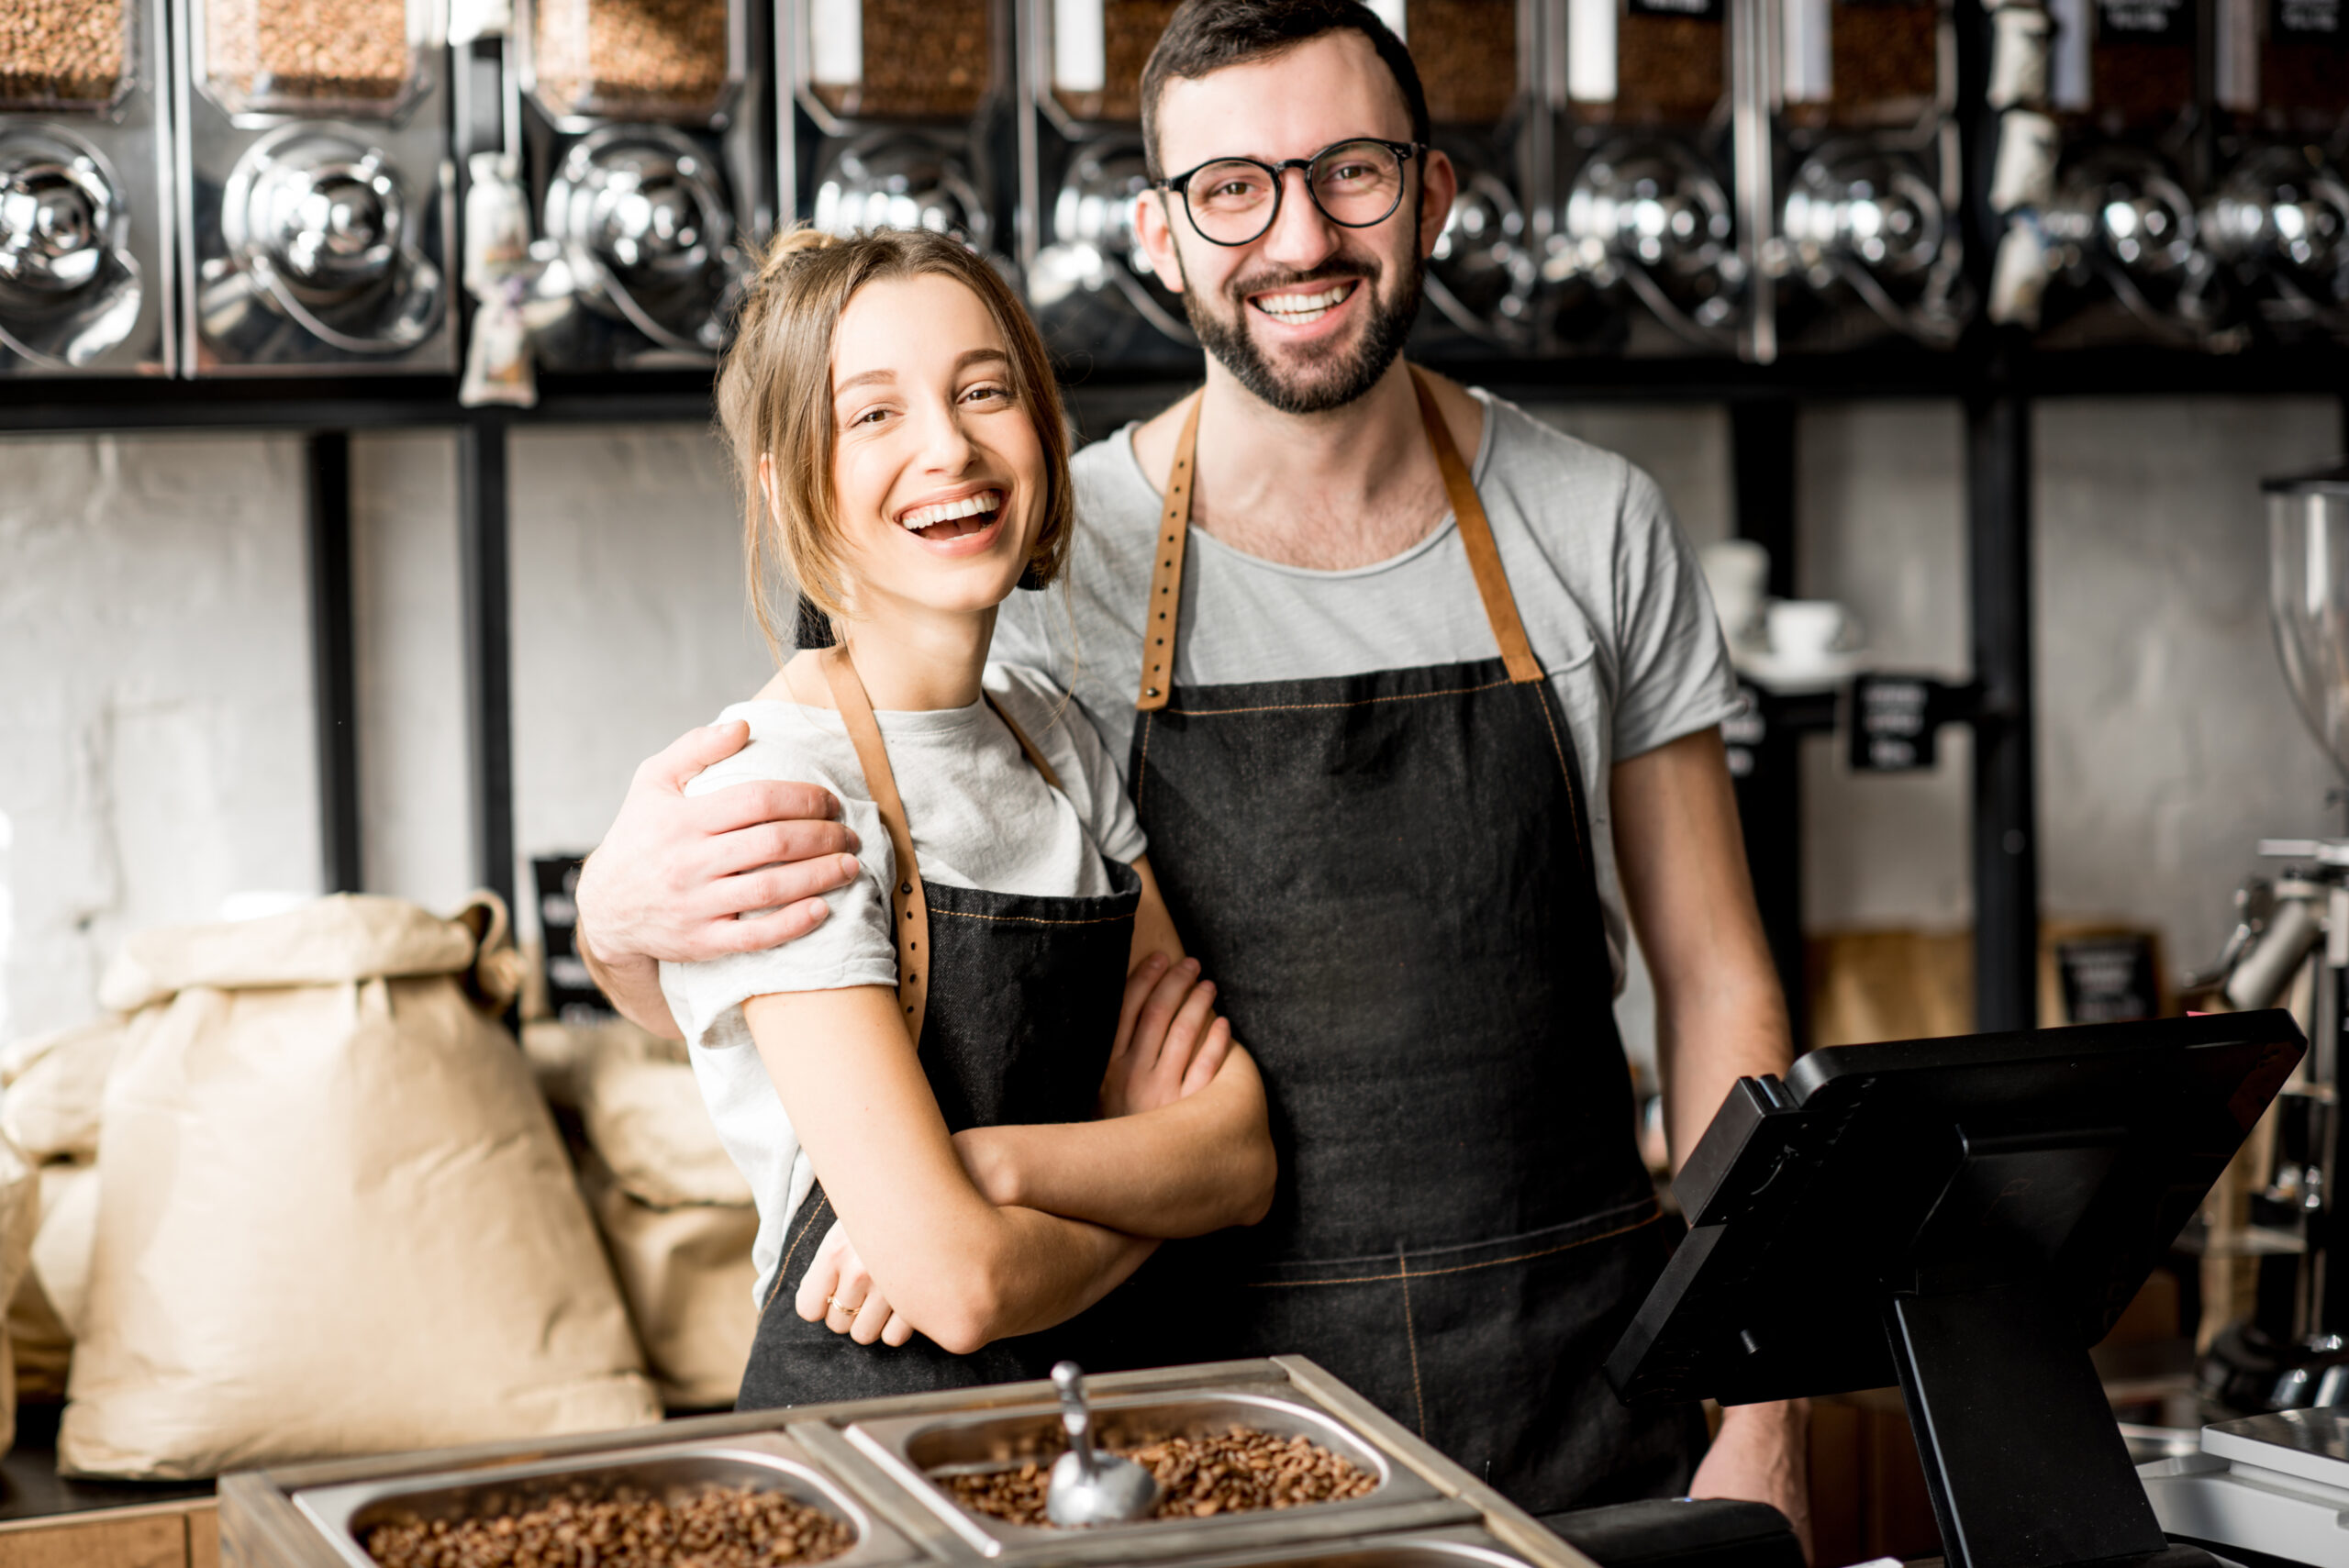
(1155, 227)
(1439, 184)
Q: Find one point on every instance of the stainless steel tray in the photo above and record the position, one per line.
(910, 1449)
(1469, 1547)
(769, 1461)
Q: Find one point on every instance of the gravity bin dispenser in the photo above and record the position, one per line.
(1647, 254)
(900, 114)
(1479, 62)
(2277, 1239)
(640, 131)
(2277, 215)
(1088, 282)
(316, 187)
(1867, 184)
(86, 257)
(2101, 157)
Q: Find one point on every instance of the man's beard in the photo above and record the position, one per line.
(1322, 376)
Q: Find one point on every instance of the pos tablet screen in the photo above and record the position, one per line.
(1966, 1217)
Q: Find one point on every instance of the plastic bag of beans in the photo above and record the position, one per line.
(334, 1214)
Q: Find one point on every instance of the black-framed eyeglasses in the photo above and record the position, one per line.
(1355, 184)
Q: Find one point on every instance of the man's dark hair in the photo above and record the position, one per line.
(1204, 35)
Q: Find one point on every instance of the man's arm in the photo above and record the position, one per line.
(1719, 1016)
(674, 871)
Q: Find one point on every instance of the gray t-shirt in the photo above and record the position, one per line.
(1611, 593)
(981, 816)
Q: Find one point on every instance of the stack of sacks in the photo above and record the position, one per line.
(334, 1215)
(676, 1215)
(52, 1090)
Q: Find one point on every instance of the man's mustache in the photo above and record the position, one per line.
(1334, 271)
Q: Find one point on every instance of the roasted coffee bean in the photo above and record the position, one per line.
(1667, 68)
(1467, 52)
(1130, 30)
(1886, 56)
(1235, 1472)
(644, 56)
(923, 60)
(306, 48)
(716, 1528)
(60, 52)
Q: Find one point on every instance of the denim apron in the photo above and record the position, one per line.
(1012, 1002)
(1389, 876)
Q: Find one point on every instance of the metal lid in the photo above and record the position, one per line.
(2334, 481)
(69, 288)
(646, 230)
(321, 209)
(1654, 201)
(898, 181)
(1874, 206)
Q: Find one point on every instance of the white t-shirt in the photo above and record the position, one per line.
(1610, 591)
(982, 817)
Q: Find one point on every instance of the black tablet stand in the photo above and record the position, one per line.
(1966, 1217)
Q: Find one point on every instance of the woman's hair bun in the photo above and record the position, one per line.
(791, 244)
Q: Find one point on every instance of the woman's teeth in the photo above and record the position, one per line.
(1303, 309)
(951, 519)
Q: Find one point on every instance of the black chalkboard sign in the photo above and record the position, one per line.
(572, 994)
(2107, 979)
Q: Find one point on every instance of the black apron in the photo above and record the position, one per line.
(1012, 1002)
(1390, 877)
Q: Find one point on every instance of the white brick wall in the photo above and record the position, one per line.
(155, 745)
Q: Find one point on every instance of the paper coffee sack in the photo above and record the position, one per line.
(333, 1217)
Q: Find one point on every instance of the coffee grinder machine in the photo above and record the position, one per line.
(2291, 945)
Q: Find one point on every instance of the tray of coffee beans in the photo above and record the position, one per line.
(1235, 1466)
(743, 1503)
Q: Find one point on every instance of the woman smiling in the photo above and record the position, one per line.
(974, 1098)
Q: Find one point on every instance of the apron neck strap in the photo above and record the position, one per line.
(909, 911)
(1165, 607)
(1165, 610)
(1035, 758)
(1477, 536)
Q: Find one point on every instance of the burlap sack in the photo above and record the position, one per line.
(48, 1301)
(687, 1276)
(675, 1211)
(20, 1211)
(334, 1214)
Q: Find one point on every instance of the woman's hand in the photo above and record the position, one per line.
(839, 1292)
(1170, 1044)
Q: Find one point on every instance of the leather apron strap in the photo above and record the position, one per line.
(908, 909)
(1165, 610)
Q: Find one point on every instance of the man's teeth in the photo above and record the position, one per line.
(948, 511)
(1299, 309)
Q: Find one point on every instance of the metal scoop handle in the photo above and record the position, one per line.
(1076, 1416)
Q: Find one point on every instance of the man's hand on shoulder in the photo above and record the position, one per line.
(676, 874)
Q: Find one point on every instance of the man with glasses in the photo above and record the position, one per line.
(1417, 695)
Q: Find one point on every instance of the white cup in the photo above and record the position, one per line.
(1738, 573)
(1810, 631)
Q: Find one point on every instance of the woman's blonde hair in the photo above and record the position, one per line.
(774, 399)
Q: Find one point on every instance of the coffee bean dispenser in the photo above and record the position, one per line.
(1642, 256)
(1326, 1481)
(2278, 214)
(1866, 175)
(1088, 282)
(316, 186)
(1478, 63)
(900, 116)
(86, 257)
(648, 171)
(2100, 191)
